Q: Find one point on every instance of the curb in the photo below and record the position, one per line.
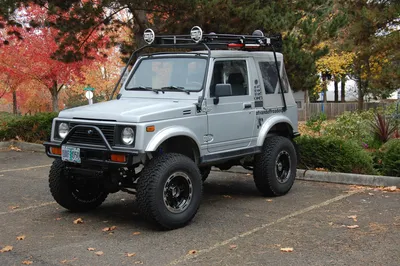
(24, 146)
(334, 177)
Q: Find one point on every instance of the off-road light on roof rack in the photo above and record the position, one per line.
(196, 33)
(149, 36)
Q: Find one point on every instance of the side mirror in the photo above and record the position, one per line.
(222, 90)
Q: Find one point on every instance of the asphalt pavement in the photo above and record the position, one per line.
(315, 224)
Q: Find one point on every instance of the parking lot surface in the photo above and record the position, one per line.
(315, 224)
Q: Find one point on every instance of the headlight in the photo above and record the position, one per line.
(128, 136)
(63, 130)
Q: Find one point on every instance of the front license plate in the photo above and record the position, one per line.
(71, 154)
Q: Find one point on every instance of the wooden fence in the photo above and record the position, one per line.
(333, 109)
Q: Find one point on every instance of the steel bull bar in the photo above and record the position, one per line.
(54, 149)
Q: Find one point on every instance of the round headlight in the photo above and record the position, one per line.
(63, 129)
(128, 136)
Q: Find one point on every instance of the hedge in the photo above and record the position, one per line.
(30, 128)
(334, 154)
(389, 158)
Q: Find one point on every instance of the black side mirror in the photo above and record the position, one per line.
(222, 90)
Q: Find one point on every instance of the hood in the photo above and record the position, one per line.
(132, 110)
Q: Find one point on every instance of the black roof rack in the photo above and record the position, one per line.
(212, 41)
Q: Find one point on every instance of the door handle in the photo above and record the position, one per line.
(246, 105)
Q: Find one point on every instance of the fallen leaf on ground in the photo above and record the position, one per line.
(248, 174)
(136, 233)
(227, 196)
(78, 221)
(130, 254)
(371, 194)
(99, 253)
(232, 246)
(6, 249)
(191, 252)
(109, 228)
(138, 262)
(21, 237)
(287, 249)
(14, 207)
(390, 189)
(91, 249)
(58, 219)
(320, 169)
(352, 226)
(13, 148)
(27, 262)
(331, 223)
(247, 215)
(354, 217)
(269, 200)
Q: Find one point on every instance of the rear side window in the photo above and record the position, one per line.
(269, 76)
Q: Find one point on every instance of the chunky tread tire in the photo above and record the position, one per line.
(150, 190)
(205, 172)
(264, 167)
(61, 191)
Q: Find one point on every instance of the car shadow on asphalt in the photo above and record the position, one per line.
(122, 210)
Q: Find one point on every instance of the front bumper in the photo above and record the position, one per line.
(93, 153)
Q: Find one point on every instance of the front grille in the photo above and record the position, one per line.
(81, 135)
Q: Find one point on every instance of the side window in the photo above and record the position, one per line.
(233, 72)
(270, 77)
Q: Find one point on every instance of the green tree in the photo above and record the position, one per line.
(373, 36)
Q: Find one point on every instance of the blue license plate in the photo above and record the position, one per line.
(71, 154)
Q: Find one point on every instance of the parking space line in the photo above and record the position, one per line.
(29, 208)
(24, 169)
(250, 232)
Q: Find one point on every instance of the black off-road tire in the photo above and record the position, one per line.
(151, 187)
(62, 190)
(205, 172)
(266, 167)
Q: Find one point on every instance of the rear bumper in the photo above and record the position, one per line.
(93, 154)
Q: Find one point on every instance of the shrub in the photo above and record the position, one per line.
(315, 122)
(383, 127)
(352, 126)
(334, 154)
(390, 158)
(32, 128)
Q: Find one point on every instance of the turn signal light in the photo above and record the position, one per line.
(119, 158)
(150, 128)
(55, 150)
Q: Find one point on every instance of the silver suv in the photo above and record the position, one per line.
(225, 102)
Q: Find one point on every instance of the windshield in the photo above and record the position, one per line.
(166, 73)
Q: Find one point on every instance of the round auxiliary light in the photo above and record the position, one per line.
(128, 136)
(149, 36)
(258, 33)
(63, 130)
(196, 34)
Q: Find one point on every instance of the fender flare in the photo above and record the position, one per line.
(169, 132)
(268, 124)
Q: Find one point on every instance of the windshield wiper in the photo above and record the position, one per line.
(175, 88)
(143, 88)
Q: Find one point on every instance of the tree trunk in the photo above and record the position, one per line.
(15, 107)
(325, 99)
(343, 90)
(54, 96)
(336, 91)
(360, 96)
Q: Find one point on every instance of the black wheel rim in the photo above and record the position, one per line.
(178, 191)
(283, 167)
